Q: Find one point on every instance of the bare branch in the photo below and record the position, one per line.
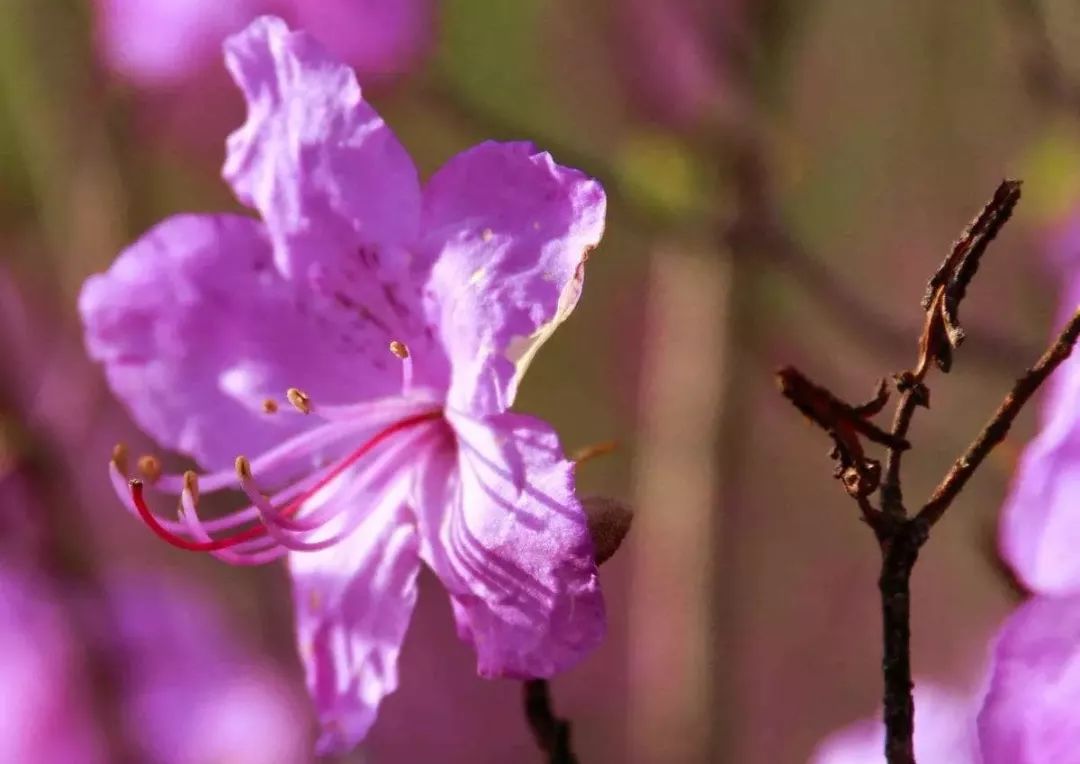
(998, 426)
(552, 733)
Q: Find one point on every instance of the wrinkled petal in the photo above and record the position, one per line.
(353, 604)
(508, 231)
(376, 37)
(158, 42)
(1040, 522)
(1030, 712)
(337, 191)
(316, 161)
(504, 532)
(944, 733)
(196, 329)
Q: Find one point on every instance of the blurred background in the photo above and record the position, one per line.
(783, 178)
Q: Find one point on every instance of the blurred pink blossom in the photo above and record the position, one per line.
(160, 42)
(1040, 522)
(944, 733)
(45, 715)
(1030, 713)
(672, 55)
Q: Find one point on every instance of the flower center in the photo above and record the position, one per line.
(311, 512)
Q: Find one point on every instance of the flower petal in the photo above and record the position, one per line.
(1029, 715)
(1040, 522)
(503, 530)
(196, 329)
(353, 604)
(944, 732)
(316, 161)
(508, 231)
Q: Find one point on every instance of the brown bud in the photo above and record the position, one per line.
(609, 521)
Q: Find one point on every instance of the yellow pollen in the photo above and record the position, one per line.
(120, 458)
(594, 450)
(269, 406)
(487, 235)
(400, 349)
(191, 485)
(477, 276)
(150, 467)
(243, 468)
(299, 400)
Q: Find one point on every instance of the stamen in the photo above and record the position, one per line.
(150, 467)
(299, 399)
(269, 406)
(120, 458)
(594, 450)
(401, 350)
(289, 511)
(191, 486)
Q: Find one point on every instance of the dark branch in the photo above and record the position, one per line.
(892, 497)
(552, 733)
(998, 426)
(900, 537)
(942, 333)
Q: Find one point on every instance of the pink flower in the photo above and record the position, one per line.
(407, 316)
(45, 715)
(1030, 713)
(156, 42)
(1040, 522)
(673, 57)
(191, 692)
(944, 733)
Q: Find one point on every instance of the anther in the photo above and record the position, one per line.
(243, 468)
(149, 467)
(401, 350)
(299, 400)
(269, 406)
(586, 453)
(120, 458)
(487, 235)
(191, 485)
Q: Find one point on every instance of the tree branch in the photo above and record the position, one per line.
(901, 537)
(998, 426)
(552, 733)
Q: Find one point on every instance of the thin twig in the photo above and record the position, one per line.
(892, 497)
(552, 733)
(998, 426)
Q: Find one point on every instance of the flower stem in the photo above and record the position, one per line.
(552, 733)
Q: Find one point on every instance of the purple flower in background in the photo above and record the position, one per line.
(187, 692)
(191, 693)
(944, 733)
(1030, 713)
(670, 55)
(1040, 522)
(155, 42)
(45, 716)
(399, 320)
